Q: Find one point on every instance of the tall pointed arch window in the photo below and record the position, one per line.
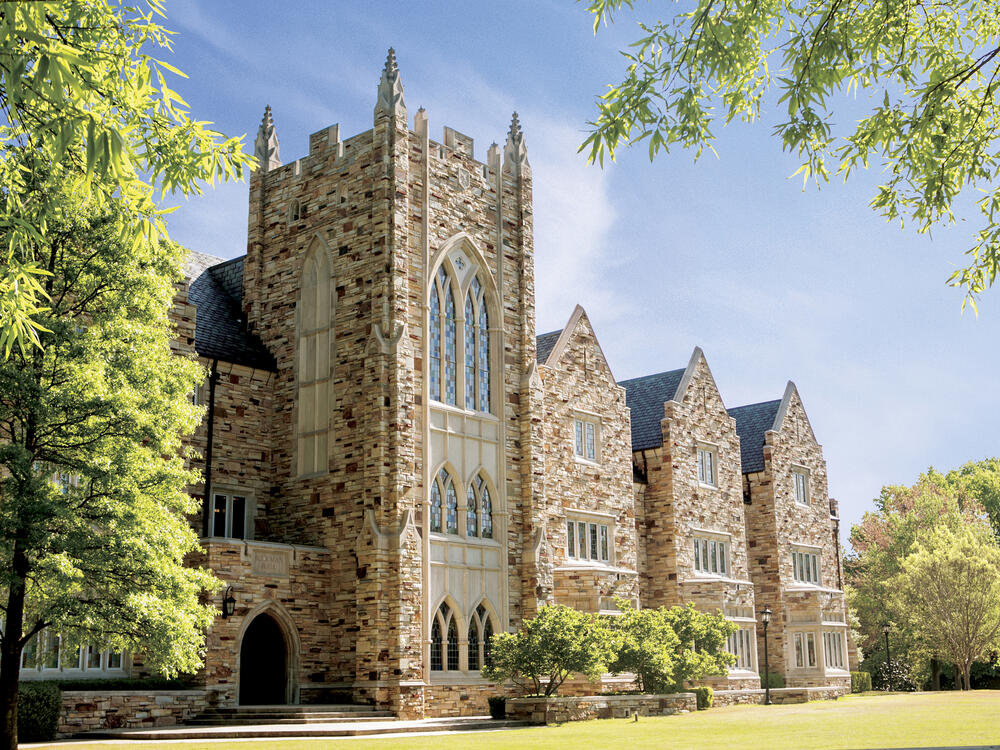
(444, 640)
(315, 320)
(480, 632)
(452, 339)
(479, 509)
(443, 489)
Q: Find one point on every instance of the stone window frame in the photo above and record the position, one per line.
(230, 493)
(447, 618)
(803, 472)
(81, 667)
(588, 519)
(746, 635)
(799, 641)
(446, 474)
(719, 537)
(579, 439)
(712, 449)
(834, 649)
(809, 550)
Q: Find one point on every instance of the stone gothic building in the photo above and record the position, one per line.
(396, 466)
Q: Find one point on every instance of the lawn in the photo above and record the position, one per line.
(870, 721)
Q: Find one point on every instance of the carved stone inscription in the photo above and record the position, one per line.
(271, 562)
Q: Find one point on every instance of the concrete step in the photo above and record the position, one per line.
(250, 719)
(320, 729)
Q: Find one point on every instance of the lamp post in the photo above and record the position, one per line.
(228, 603)
(765, 618)
(888, 661)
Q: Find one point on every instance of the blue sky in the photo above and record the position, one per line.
(730, 254)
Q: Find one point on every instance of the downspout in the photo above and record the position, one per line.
(206, 514)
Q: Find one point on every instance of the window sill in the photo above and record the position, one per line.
(457, 677)
(704, 486)
(441, 536)
(587, 461)
(592, 566)
(455, 409)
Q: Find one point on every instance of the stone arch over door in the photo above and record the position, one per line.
(268, 661)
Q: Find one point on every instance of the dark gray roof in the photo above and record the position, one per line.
(544, 344)
(752, 421)
(645, 396)
(216, 290)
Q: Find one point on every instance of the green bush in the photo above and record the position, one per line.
(144, 683)
(861, 682)
(704, 695)
(498, 706)
(773, 680)
(38, 707)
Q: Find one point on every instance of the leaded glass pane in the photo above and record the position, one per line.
(452, 513)
(436, 662)
(604, 543)
(593, 541)
(452, 645)
(435, 506)
(471, 517)
(470, 353)
(579, 437)
(591, 447)
(484, 357)
(570, 539)
(435, 344)
(487, 517)
(487, 645)
(450, 348)
(473, 644)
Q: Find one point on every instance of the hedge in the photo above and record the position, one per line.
(124, 683)
(38, 707)
(773, 680)
(861, 682)
(704, 695)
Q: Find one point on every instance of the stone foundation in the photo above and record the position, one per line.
(540, 710)
(460, 700)
(779, 695)
(85, 710)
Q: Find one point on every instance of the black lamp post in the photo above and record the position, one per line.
(888, 661)
(228, 603)
(765, 618)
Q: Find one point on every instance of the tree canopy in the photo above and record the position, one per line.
(930, 72)
(93, 529)
(80, 87)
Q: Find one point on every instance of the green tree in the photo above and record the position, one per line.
(930, 72)
(665, 648)
(559, 642)
(80, 87)
(949, 592)
(979, 482)
(93, 528)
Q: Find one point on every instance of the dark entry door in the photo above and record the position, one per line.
(263, 663)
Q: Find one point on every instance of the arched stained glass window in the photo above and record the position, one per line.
(452, 512)
(435, 506)
(480, 632)
(437, 663)
(435, 347)
(450, 349)
(487, 646)
(470, 353)
(474, 643)
(483, 333)
(485, 508)
(471, 513)
(452, 645)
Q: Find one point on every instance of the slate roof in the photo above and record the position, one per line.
(752, 421)
(216, 290)
(544, 345)
(645, 396)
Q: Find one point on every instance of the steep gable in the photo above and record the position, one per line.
(792, 415)
(645, 397)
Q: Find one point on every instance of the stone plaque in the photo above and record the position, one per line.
(270, 562)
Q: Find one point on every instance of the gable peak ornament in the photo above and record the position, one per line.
(266, 148)
(515, 152)
(390, 90)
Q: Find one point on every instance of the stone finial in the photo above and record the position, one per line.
(390, 90)
(515, 152)
(266, 148)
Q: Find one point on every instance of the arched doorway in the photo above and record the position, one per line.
(263, 663)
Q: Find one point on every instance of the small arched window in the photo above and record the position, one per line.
(444, 622)
(435, 506)
(485, 507)
(477, 349)
(451, 498)
(444, 348)
(471, 512)
(480, 632)
(442, 487)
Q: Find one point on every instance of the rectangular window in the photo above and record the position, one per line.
(588, 541)
(811, 649)
(740, 645)
(805, 650)
(799, 652)
(833, 648)
(229, 516)
(706, 466)
(801, 480)
(585, 443)
(805, 567)
(711, 556)
(93, 657)
(50, 651)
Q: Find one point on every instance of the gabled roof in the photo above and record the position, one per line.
(752, 421)
(544, 344)
(216, 291)
(646, 396)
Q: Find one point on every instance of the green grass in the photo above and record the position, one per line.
(869, 721)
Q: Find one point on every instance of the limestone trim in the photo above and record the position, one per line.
(292, 644)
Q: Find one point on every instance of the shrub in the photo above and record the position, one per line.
(861, 682)
(704, 695)
(773, 680)
(125, 683)
(549, 648)
(498, 706)
(38, 707)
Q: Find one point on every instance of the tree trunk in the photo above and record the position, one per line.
(967, 674)
(10, 652)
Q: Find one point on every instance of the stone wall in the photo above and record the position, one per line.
(779, 695)
(562, 709)
(459, 700)
(86, 710)
(579, 384)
